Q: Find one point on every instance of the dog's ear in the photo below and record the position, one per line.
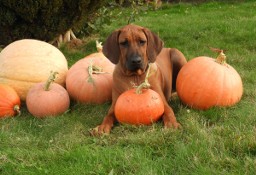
(111, 47)
(154, 45)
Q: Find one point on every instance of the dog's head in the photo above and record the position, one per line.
(133, 47)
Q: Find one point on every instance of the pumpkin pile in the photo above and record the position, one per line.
(24, 75)
(139, 106)
(25, 65)
(206, 82)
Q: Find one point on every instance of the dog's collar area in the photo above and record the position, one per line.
(140, 72)
(146, 68)
(140, 78)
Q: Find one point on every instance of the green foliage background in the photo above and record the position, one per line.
(43, 19)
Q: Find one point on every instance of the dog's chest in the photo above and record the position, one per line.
(123, 82)
(135, 81)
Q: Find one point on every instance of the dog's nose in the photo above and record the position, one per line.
(136, 60)
(134, 63)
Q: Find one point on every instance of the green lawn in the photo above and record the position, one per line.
(216, 141)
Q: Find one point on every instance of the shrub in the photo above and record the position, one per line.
(42, 19)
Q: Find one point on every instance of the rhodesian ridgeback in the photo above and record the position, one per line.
(132, 48)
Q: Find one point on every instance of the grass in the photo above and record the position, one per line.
(216, 141)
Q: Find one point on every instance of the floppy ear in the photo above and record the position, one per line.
(154, 45)
(111, 48)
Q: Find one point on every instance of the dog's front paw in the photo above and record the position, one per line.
(170, 124)
(100, 130)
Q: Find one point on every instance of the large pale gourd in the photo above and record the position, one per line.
(26, 62)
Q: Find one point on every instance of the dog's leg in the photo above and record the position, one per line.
(106, 125)
(169, 118)
(178, 60)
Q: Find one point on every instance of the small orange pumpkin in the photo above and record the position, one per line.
(139, 106)
(90, 79)
(9, 101)
(137, 109)
(47, 99)
(205, 82)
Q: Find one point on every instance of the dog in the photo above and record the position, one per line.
(131, 48)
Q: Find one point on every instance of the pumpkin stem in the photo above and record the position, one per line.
(99, 46)
(145, 84)
(16, 108)
(221, 59)
(51, 79)
(93, 69)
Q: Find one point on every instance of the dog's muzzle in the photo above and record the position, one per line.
(134, 63)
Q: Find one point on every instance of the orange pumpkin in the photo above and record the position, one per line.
(138, 109)
(90, 79)
(9, 101)
(47, 99)
(205, 82)
(139, 105)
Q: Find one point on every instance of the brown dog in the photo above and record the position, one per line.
(132, 48)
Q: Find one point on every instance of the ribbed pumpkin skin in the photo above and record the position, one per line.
(41, 103)
(139, 109)
(203, 83)
(8, 100)
(84, 91)
(26, 62)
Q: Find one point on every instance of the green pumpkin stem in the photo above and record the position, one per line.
(93, 69)
(50, 80)
(145, 84)
(99, 46)
(221, 59)
(16, 108)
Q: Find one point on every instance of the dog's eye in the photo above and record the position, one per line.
(124, 43)
(142, 42)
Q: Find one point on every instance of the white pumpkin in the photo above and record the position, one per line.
(26, 62)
